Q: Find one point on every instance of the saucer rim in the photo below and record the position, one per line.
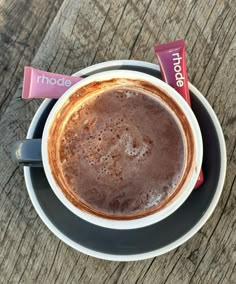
(153, 253)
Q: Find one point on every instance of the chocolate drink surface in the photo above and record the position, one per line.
(121, 153)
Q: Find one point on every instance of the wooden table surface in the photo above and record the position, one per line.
(66, 35)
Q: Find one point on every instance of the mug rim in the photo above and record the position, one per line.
(171, 206)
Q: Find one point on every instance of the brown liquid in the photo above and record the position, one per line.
(121, 152)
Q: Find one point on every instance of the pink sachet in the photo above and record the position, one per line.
(172, 60)
(42, 84)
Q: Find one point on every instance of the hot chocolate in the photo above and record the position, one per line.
(121, 153)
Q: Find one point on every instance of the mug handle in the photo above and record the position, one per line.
(27, 152)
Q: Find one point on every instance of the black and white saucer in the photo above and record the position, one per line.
(136, 244)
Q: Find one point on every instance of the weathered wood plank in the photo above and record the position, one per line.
(23, 25)
(86, 32)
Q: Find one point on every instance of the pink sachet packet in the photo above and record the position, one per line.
(172, 60)
(42, 84)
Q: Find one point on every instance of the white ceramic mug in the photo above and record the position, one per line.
(190, 178)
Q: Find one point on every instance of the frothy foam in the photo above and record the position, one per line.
(122, 152)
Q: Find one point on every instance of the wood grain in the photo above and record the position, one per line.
(23, 25)
(87, 32)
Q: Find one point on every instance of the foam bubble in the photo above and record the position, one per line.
(133, 150)
(130, 94)
(153, 200)
(155, 194)
(175, 180)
